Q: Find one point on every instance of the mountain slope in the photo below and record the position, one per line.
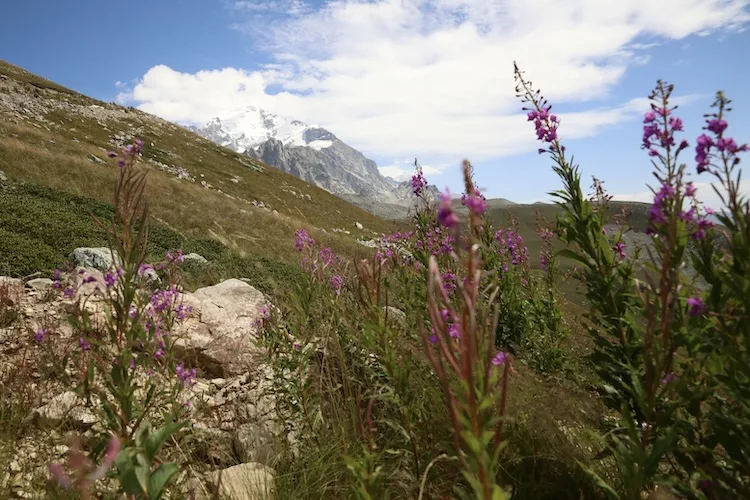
(310, 153)
(56, 137)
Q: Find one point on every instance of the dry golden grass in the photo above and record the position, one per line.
(58, 158)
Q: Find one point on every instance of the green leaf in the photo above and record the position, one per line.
(135, 480)
(159, 437)
(607, 489)
(570, 254)
(160, 478)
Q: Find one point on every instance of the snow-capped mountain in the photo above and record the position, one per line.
(309, 152)
(246, 128)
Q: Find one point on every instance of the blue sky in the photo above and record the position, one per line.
(404, 78)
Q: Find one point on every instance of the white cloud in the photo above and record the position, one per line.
(404, 169)
(434, 77)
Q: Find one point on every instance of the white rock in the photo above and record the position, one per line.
(39, 284)
(220, 334)
(358, 226)
(251, 481)
(98, 258)
(65, 408)
(196, 257)
(255, 443)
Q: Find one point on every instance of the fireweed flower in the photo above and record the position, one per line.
(511, 244)
(695, 306)
(475, 202)
(726, 146)
(186, 376)
(418, 183)
(619, 249)
(449, 282)
(173, 257)
(545, 123)
(445, 214)
(144, 269)
(83, 344)
(328, 257)
(41, 334)
(111, 278)
(336, 282)
(182, 311)
(302, 240)
(500, 358)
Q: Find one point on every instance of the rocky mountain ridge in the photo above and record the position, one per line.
(313, 154)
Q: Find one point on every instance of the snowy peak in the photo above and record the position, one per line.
(246, 128)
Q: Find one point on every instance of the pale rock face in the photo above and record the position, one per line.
(220, 334)
(65, 408)
(252, 481)
(98, 258)
(39, 284)
(254, 442)
(312, 154)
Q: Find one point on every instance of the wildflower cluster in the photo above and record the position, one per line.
(658, 341)
(302, 240)
(322, 264)
(130, 349)
(436, 241)
(510, 244)
(716, 145)
(476, 202)
(418, 182)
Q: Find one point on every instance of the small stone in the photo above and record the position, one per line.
(358, 226)
(255, 443)
(15, 466)
(64, 408)
(39, 284)
(98, 258)
(251, 481)
(219, 382)
(96, 159)
(194, 257)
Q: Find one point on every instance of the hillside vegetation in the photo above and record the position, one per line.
(55, 137)
(477, 351)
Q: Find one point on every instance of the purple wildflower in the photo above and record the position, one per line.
(696, 306)
(418, 182)
(669, 377)
(475, 202)
(69, 292)
(545, 124)
(41, 334)
(445, 214)
(144, 269)
(187, 376)
(176, 256)
(619, 249)
(449, 282)
(500, 358)
(336, 282)
(302, 240)
(716, 126)
(83, 344)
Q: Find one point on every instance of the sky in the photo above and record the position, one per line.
(406, 79)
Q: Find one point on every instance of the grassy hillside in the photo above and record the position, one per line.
(54, 137)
